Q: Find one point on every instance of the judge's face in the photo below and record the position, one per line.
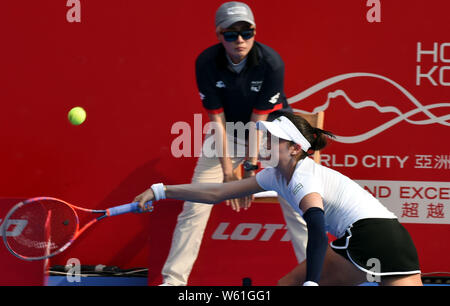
(238, 40)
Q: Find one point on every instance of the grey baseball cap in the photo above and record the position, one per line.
(231, 12)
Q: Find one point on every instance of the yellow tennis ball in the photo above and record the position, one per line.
(77, 115)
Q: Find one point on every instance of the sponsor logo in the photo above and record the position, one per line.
(432, 64)
(237, 10)
(251, 231)
(256, 86)
(220, 84)
(14, 227)
(413, 201)
(297, 188)
(274, 99)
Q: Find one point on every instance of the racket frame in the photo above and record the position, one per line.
(5, 224)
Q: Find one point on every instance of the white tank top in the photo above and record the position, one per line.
(344, 201)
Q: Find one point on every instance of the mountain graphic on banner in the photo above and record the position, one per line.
(401, 116)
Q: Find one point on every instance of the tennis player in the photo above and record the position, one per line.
(328, 201)
(240, 81)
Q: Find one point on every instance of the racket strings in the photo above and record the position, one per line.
(46, 226)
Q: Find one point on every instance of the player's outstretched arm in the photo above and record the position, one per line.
(208, 193)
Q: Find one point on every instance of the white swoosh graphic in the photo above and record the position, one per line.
(444, 120)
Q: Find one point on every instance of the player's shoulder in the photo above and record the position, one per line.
(268, 55)
(305, 180)
(306, 170)
(270, 175)
(268, 172)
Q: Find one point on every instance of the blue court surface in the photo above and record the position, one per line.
(97, 281)
(142, 281)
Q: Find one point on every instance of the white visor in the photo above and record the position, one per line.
(282, 127)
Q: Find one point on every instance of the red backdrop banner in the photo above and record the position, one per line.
(379, 69)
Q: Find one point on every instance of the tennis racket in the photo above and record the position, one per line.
(39, 228)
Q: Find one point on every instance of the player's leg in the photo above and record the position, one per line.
(336, 271)
(404, 252)
(402, 280)
(297, 229)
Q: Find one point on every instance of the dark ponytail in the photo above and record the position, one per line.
(318, 138)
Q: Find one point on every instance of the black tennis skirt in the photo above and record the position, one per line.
(380, 247)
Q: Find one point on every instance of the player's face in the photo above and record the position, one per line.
(273, 151)
(277, 152)
(284, 151)
(287, 152)
(238, 46)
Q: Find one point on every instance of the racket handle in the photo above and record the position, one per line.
(126, 208)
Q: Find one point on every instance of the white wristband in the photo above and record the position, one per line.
(310, 283)
(158, 191)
